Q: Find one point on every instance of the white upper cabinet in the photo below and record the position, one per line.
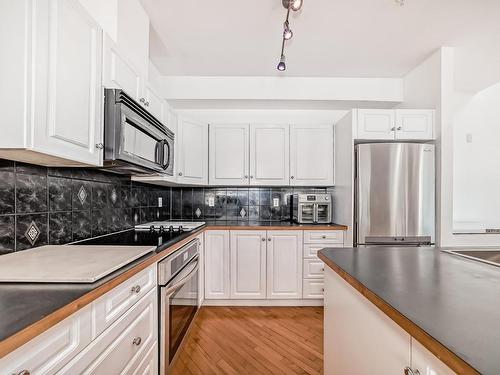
(284, 264)
(248, 264)
(269, 154)
(376, 124)
(390, 124)
(229, 154)
(192, 152)
(414, 124)
(154, 103)
(311, 155)
(61, 105)
(118, 72)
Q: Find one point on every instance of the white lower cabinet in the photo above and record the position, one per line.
(313, 288)
(284, 264)
(361, 339)
(248, 264)
(122, 348)
(217, 264)
(50, 351)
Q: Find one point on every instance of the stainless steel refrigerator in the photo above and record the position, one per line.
(395, 194)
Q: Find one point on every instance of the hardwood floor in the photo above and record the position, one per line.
(254, 340)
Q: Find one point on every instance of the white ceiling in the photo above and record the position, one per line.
(342, 38)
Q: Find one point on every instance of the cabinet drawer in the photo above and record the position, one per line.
(50, 351)
(313, 289)
(323, 237)
(149, 365)
(122, 347)
(313, 269)
(115, 303)
(311, 250)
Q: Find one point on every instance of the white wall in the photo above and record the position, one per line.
(476, 161)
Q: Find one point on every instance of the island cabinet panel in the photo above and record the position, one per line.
(284, 264)
(359, 338)
(217, 281)
(50, 351)
(426, 362)
(248, 264)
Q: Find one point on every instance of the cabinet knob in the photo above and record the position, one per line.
(409, 371)
(246, 176)
(323, 237)
(136, 289)
(180, 173)
(142, 100)
(263, 239)
(292, 177)
(137, 341)
(99, 146)
(393, 128)
(23, 372)
(269, 239)
(399, 128)
(146, 104)
(251, 177)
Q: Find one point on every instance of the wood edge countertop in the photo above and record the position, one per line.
(445, 355)
(23, 336)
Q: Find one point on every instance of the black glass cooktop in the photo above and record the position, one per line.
(134, 237)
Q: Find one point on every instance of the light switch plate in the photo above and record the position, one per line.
(276, 202)
(160, 202)
(211, 201)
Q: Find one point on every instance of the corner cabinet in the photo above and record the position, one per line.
(398, 124)
(57, 108)
(311, 155)
(192, 152)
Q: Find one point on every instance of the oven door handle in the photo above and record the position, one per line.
(184, 276)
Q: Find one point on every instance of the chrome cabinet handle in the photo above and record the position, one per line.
(136, 289)
(99, 146)
(137, 341)
(180, 173)
(409, 371)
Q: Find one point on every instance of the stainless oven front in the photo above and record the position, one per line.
(179, 295)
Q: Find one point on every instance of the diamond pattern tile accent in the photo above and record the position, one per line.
(32, 233)
(114, 196)
(197, 212)
(243, 213)
(82, 195)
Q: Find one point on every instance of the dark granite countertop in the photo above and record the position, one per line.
(454, 300)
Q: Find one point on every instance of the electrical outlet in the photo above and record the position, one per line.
(276, 202)
(160, 202)
(211, 201)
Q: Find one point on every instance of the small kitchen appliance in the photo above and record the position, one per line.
(312, 208)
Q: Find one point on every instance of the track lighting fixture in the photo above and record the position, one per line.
(287, 31)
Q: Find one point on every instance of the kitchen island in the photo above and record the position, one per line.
(392, 308)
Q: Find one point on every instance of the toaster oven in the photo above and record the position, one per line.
(312, 208)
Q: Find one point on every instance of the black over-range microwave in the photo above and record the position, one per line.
(135, 142)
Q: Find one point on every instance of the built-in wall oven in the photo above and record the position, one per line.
(178, 281)
(135, 142)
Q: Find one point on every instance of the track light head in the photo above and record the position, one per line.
(282, 65)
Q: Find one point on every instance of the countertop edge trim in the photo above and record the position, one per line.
(444, 354)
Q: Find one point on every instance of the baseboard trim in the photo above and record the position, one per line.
(263, 302)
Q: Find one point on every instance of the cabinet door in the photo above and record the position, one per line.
(67, 75)
(118, 72)
(359, 338)
(217, 264)
(311, 155)
(269, 154)
(284, 264)
(414, 124)
(375, 124)
(425, 362)
(248, 264)
(201, 271)
(228, 154)
(192, 151)
(154, 103)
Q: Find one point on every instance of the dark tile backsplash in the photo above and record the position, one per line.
(40, 205)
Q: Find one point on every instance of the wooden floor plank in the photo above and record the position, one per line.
(253, 340)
